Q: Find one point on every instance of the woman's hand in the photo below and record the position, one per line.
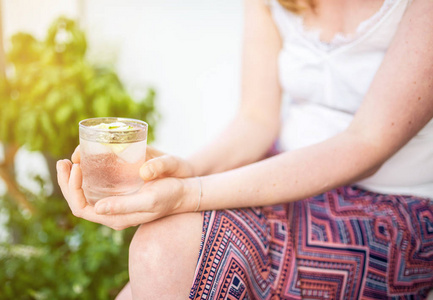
(156, 199)
(157, 165)
(160, 165)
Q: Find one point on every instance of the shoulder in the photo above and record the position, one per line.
(420, 8)
(417, 22)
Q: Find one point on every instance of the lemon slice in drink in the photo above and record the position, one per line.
(117, 148)
(116, 126)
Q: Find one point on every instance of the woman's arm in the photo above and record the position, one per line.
(256, 126)
(398, 104)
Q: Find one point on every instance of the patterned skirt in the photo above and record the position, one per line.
(345, 244)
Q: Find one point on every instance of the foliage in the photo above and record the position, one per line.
(50, 87)
(53, 255)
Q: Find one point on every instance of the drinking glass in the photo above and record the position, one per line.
(112, 151)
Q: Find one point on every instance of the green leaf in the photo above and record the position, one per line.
(63, 114)
(53, 99)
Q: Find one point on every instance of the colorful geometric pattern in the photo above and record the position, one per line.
(345, 244)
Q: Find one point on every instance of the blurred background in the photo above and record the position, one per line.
(173, 64)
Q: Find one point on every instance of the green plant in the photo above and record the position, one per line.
(48, 89)
(51, 87)
(53, 255)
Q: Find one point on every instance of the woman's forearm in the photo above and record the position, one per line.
(244, 141)
(289, 176)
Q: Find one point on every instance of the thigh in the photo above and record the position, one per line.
(241, 253)
(353, 244)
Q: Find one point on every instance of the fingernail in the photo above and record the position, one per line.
(148, 172)
(103, 208)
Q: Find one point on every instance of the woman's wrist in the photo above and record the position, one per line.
(190, 199)
(196, 170)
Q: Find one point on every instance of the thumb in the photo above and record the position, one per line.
(165, 166)
(76, 157)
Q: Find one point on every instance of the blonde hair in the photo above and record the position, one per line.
(297, 6)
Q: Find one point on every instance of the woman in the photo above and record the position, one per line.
(343, 212)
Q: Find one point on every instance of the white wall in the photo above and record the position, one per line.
(34, 16)
(188, 50)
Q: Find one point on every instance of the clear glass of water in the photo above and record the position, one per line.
(112, 151)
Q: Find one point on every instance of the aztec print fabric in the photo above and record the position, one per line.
(345, 244)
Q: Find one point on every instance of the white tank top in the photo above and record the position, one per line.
(324, 84)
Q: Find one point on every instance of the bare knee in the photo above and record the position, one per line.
(168, 236)
(163, 255)
(147, 242)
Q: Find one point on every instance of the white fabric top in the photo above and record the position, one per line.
(324, 84)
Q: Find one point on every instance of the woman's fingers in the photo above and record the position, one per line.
(164, 166)
(158, 197)
(76, 157)
(122, 205)
(63, 172)
(76, 200)
(145, 200)
(118, 221)
(69, 178)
